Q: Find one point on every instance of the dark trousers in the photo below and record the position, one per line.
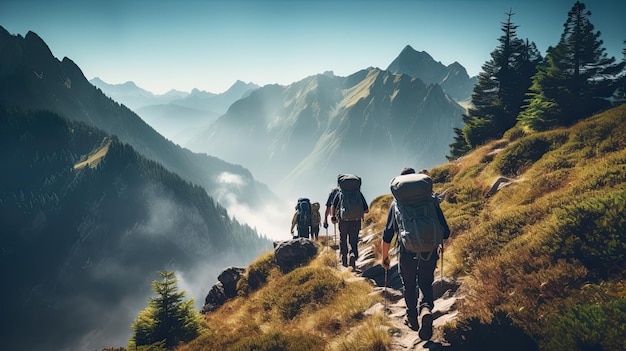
(349, 234)
(303, 232)
(417, 276)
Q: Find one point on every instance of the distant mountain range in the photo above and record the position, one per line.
(175, 114)
(297, 138)
(32, 78)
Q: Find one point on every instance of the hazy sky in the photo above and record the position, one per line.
(163, 45)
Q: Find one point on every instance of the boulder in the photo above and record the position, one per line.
(294, 253)
(226, 288)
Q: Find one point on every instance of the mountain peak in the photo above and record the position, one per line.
(419, 64)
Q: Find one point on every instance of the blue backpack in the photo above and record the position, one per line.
(304, 212)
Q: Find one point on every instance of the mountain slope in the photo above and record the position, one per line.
(308, 132)
(453, 78)
(32, 79)
(538, 244)
(85, 221)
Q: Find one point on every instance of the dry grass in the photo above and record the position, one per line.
(314, 308)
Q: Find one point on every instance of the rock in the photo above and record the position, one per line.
(443, 285)
(214, 299)
(226, 288)
(377, 274)
(229, 278)
(500, 183)
(294, 253)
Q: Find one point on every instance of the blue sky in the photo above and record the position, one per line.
(163, 45)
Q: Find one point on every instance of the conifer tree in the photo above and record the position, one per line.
(499, 94)
(168, 320)
(576, 81)
(621, 84)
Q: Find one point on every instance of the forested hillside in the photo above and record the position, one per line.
(85, 221)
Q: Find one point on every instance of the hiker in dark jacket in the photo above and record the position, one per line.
(348, 229)
(329, 204)
(417, 272)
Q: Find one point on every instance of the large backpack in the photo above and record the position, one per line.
(304, 212)
(416, 216)
(350, 203)
(316, 217)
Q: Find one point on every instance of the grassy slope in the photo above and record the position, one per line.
(547, 251)
(542, 259)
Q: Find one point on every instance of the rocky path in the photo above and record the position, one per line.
(403, 338)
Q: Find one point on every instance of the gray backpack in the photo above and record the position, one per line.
(350, 206)
(416, 216)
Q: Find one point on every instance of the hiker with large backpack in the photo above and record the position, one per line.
(417, 219)
(302, 218)
(349, 207)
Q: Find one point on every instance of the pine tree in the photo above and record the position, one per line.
(621, 83)
(576, 81)
(168, 320)
(499, 94)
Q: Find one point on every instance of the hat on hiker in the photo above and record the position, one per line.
(407, 170)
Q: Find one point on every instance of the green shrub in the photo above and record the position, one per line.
(499, 334)
(300, 289)
(594, 231)
(444, 174)
(588, 327)
(256, 275)
(518, 157)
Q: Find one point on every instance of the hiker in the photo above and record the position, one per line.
(315, 220)
(329, 202)
(416, 265)
(302, 218)
(348, 209)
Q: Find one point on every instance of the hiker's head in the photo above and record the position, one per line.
(424, 171)
(407, 170)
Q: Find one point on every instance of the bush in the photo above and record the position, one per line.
(499, 334)
(256, 274)
(594, 231)
(517, 158)
(588, 327)
(300, 289)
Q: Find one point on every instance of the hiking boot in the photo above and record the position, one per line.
(352, 261)
(411, 322)
(344, 261)
(425, 331)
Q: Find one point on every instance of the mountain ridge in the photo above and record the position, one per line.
(60, 86)
(419, 64)
(290, 135)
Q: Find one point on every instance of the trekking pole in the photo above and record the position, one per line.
(441, 271)
(326, 247)
(335, 244)
(385, 292)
